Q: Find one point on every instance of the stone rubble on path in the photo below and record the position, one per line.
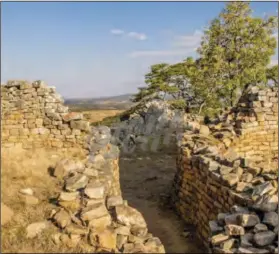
(91, 207)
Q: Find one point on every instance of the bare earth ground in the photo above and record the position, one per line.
(98, 115)
(146, 182)
(29, 170)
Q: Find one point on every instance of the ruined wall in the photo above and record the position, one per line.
(33, 116)
(254, 122)
(90, 209)
(216, 172)
(152, 127)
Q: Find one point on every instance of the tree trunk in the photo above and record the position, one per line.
(201, 107)
(231, 99)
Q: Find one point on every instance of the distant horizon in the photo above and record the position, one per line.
(102, 49)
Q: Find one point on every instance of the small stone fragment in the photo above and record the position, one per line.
(248, 220)
(35, 228)
(62, 218)
(27, 191)
(234, 230)
(217, 239)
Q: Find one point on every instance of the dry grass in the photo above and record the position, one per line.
(29, 170)
(98, 115)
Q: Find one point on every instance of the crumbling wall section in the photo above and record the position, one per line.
(216, 172)
(33, 116)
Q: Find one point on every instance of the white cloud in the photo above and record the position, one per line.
(181, 45)
(148, 53)
(117, 31)
(188, 41)
(138, 36)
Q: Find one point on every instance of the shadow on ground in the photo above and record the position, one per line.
(146, 183)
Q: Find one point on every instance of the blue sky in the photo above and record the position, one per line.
(93, 49)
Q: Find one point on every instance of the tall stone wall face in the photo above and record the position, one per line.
(33, 116)
(215, 172)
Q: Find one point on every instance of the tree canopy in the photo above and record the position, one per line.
(235, 51)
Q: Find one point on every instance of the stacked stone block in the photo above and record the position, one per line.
(33, 116)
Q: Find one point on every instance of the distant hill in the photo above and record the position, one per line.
(111, 102)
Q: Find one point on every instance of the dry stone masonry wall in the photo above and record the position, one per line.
(90, 208)
(90, 205)
(229, 192)
(33, 116)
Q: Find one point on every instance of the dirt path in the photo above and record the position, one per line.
(146, 183)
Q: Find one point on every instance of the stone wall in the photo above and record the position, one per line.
(216, 172)
(254, 126)
(152, 127)
(90, 209)
(33, 116)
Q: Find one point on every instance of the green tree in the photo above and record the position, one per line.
(158, 82)
(236, 50)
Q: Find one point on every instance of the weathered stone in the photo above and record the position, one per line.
(139, 231)
(80, 125)
(114, 201)
(121, 240)
(66, 166)
(264, 238)
(31, 200)
(95, 191)
(123, 230)
(271, 218)
(228, 244)
(101, 222)
(225, 170)
(129, 216)
(247, 220)
(6, 214)
(246, 177)
(62, 218)
(94, 212)
(218, 239)
(231, 219)
(234, 230)
(230, 179)
(68, 196)
(246, 240)
(35, 229)
(76, 229)
(263, 188)
(27, 191)
(105, 239)
(71, 206)
(76, 182)
(251, 250)
(260, 228)
(72, 116)
(242, 187)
